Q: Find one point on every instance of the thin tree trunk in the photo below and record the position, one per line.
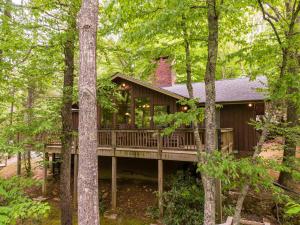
(88, 202)
(210, 109)
(245, 188)
(67, 125)
(189, 84)
(29, 117)
(19, 164)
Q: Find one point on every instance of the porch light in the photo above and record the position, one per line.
(127, 114)
(124, 86)
(185, 108)
(146, 106)
(250, 105)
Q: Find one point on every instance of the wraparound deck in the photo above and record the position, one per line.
(150, 144)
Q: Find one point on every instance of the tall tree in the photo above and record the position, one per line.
(88, 202)
(210, 108)
(282, 17)
(66, 117)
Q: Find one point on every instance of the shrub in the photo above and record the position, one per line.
(15, 205)
(184, 202)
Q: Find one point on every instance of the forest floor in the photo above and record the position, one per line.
(136, 196)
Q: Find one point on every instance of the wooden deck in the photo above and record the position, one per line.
(149, 144)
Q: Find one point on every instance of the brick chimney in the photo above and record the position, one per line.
(163, 77)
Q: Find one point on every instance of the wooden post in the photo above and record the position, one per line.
(45, 166)
(159, 145)
(113, 139)
(53, 164)
(75, 180)
(114, 183)
(151, 112)
(160, 187)
(132, 108)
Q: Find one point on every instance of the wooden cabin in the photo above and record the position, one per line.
(142, 101)
(131, 132)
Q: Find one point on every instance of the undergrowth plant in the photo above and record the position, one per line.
(15, 205)
(184, 202)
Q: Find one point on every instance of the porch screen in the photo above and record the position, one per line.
(142, 112)
(123, 116)
(160, 110)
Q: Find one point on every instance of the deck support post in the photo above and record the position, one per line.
(160, 187)
(53, 164)
(45, 170)
(114, 183)
(75, 177)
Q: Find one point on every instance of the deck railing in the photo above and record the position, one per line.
(180, 140)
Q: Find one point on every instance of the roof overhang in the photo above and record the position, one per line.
(147, 85)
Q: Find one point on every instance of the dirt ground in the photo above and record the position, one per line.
(134, 198)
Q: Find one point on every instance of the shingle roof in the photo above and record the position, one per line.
(227, 90)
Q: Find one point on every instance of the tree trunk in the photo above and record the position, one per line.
(210, 109)
(290, 66)
(29, 117)
(67, 126)
(88, 202)
(245, 188)
(19, 164)
(189, 83)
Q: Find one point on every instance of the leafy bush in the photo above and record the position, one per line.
(184, 202)
(292, 209)
(102, 207)
(15, 205)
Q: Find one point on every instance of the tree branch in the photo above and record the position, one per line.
(265, 16)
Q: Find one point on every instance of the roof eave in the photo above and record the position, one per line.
(148, 85)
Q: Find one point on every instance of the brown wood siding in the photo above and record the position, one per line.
(75, 118)
(155, 97)
(238, 116)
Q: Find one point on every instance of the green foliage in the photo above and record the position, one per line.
(16, 205)
(234, 173)
(184, 202)
(102, 207)
(176, 120)
(153, 212)
(107, 93)
(292, 209)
